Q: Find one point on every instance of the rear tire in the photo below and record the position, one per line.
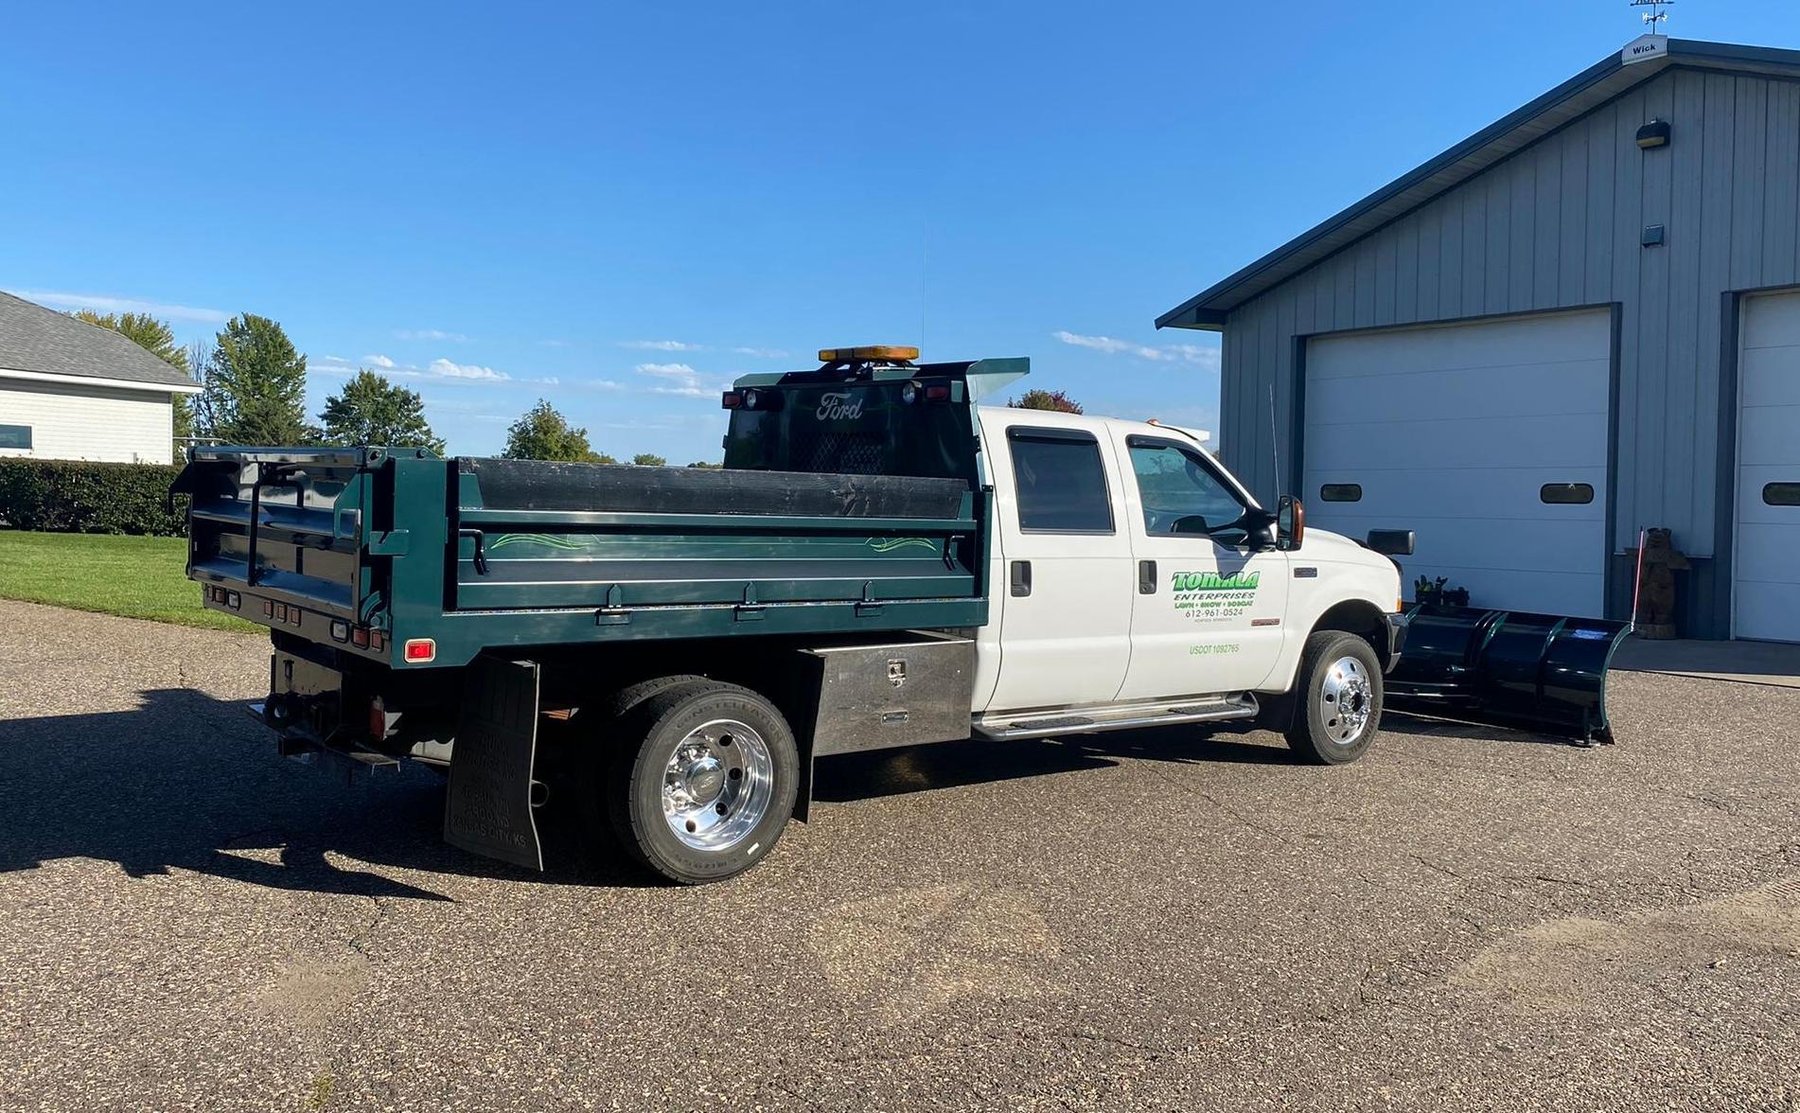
(595, 746)
(1337, 699)
(704, 781)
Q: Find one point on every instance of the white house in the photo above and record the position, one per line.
(72, 391)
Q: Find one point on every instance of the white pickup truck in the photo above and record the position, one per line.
(880, 563)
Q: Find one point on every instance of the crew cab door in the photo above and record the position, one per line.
(1208, 607)
(1064, 584)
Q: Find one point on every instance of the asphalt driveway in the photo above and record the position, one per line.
(1149, 921)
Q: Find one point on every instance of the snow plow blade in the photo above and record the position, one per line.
(1534, 672)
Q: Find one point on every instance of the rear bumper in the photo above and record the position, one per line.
(1395, 625)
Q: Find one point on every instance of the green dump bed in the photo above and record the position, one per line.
(422, 562)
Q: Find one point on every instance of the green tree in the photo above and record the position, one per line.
(704, 464)
(145, 331)
(650, 460)
(372, 410)
(254, 386)
(157, 338)
(543, 433)
(1046, 400)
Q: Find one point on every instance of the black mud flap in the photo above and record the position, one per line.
(488, 810)
(1535, 672)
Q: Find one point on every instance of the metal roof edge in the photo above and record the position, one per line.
(1207, 317)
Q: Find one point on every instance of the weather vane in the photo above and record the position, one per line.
(1655, 17)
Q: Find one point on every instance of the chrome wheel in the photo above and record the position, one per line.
(1346, 700)
(718, 785)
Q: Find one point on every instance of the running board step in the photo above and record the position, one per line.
(1131, 716)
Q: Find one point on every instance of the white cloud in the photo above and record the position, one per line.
(679, 379)
(663, 346)
(382, 362)
(553, 343)
(1197, 354)
(430, 334)
(677, 372)
(102, 303)
(447, 369)
(761, 353)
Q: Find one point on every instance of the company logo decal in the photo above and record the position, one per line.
(1212, 581)
(839, 407)
(1209, 597)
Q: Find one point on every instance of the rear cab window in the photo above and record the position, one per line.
(1060, 481)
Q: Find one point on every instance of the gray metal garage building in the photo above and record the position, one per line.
(1581, 321)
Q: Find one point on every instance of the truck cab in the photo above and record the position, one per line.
(1133, 572)
(1131, 566)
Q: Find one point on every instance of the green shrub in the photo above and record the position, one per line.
(74, 496)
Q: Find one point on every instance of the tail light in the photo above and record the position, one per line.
(378, 719)
(420, 651)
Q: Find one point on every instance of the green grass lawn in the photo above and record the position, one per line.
(138, 577)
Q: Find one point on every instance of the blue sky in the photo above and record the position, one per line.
(619, 208)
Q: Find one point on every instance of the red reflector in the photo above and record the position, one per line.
(376, 641)
(294, 616)
(359, 638)
(269, 610)
(377, 721)
(281, 612)
(732, 400)
(421, 649)
(937, 392)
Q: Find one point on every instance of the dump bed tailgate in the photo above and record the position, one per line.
(282, 532)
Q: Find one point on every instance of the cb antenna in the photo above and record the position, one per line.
(1655, 17)
(1275, 442)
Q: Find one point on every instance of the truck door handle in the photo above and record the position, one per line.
(1146, 577)
(1020, 571)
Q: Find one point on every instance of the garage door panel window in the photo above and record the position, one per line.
(1178, 490)
(1566, 494)
(1781, 494)
(1061, 482)
(15, 436)
(1340, 492)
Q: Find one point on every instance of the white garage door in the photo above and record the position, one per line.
(1766, 588)
(1489, 439)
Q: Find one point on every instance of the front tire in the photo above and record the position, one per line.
(705, 781)
(1337, 699)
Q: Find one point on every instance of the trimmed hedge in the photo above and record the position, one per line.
(75, 496)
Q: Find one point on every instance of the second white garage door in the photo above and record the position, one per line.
(1488, 438)
(1766, 588)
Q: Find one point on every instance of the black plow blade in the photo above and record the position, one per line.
(1536, 672)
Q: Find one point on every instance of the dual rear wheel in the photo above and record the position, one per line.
(697, 778)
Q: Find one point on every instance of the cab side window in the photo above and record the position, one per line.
(1180, 493)
(1060, 480)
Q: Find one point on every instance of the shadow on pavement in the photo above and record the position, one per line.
(188, 782)
(185, 781)
(863, 776)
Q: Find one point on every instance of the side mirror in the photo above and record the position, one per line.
(1391, 542)
(1290, 523)
(1259, 528)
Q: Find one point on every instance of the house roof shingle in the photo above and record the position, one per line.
(33, 338)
